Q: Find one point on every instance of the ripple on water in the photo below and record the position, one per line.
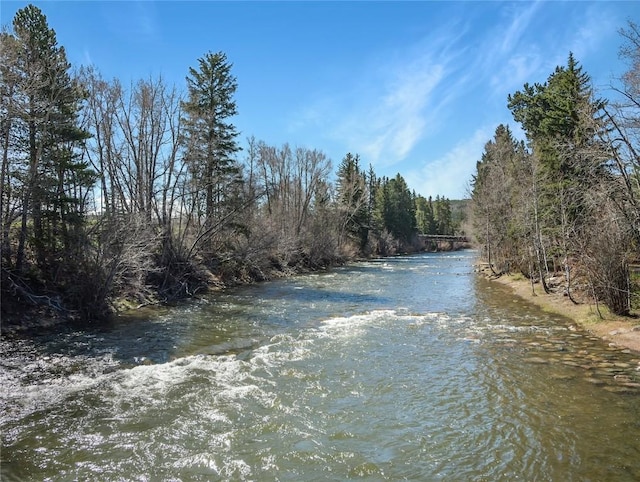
(391, 379)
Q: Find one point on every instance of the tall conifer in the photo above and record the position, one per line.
(210, 137)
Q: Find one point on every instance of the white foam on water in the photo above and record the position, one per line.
(226, 379)
(353, 326)
(356, 325)
(229, 378)
(281, 348)
(44, 383)
(47, 381)
(206, 464)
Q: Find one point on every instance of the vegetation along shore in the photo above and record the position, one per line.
(561, 210)
(116, 196)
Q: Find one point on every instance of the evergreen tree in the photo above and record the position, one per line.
(399, 212)
(442, 216)
(372, 183)
(563, 122)
(353, 199)
(425, 220)
(541, 210)
(209, 136)
(380, 204)
(42, 129)
(497, 187)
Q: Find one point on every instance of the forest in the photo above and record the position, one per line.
(562, 208)
(115, 196)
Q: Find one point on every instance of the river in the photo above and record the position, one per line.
(407, 368)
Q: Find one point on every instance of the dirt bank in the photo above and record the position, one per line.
(624, 332)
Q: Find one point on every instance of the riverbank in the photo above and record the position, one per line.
(386, 369)
(19, 316)
(621, 331)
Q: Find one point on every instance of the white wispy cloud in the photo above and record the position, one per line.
(393, 103)
(514, 71)
(518, 57)
(137, 22)
(450, 174)
(448, 87)
(392, 116)
(530, 54)
(596, 24)
(86, 57)
(438, 71)
(396, 122)
(520, 16)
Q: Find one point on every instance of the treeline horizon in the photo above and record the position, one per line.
(563, 208)
(144, 193)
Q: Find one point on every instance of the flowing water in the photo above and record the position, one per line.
(410, 368)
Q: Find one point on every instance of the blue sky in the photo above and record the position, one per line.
(412, 87)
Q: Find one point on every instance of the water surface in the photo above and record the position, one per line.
(410, 368)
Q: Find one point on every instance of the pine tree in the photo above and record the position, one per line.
(563, 122)
(495, 195)
(210, 137)
(353, 199)
(571, 184)
(43, 128)
(399, 214)
(442, 216)
(425, 221)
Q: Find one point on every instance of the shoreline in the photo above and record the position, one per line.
(623, 332)
(18, 318)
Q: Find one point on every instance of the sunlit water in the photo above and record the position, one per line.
(411, 368)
